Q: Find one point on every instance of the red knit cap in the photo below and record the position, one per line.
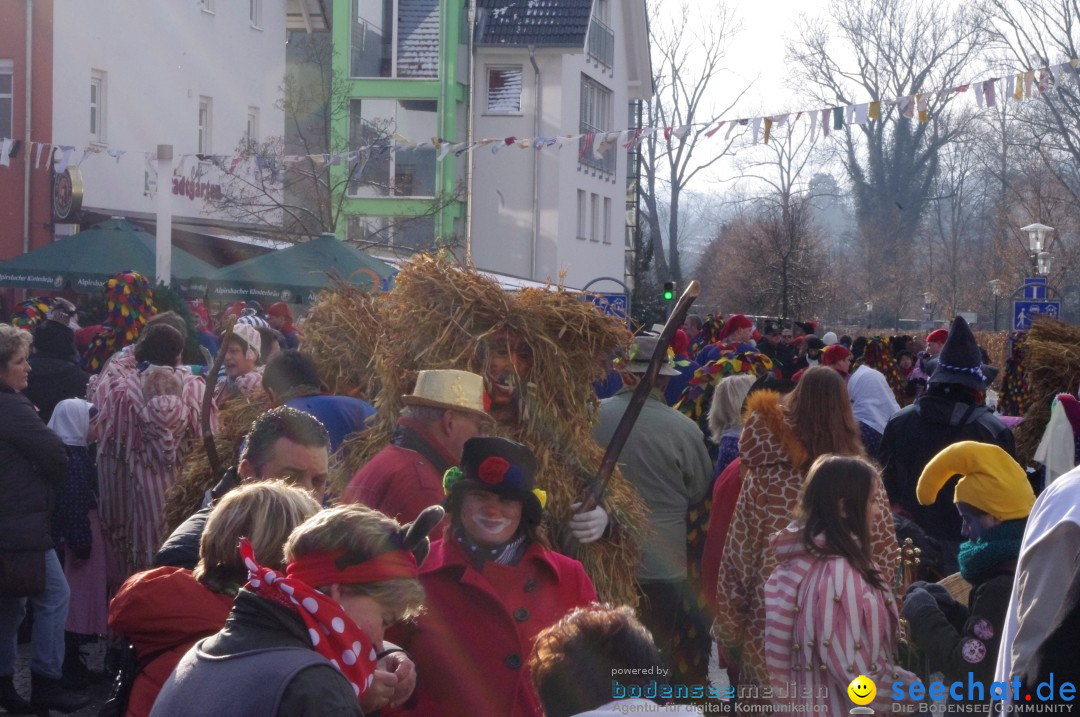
(733, 324)
(680, 342)
(834, 354)
(281, 310)
(939, 336)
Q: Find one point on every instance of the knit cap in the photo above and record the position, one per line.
(991, 480)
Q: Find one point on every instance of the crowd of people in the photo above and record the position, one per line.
(781, 473)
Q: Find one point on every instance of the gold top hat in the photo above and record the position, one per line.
(448, 388)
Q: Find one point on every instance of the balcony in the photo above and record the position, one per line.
(587, 154)
(601, 43)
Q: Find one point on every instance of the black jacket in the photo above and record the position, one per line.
(53, 379)
(916, 434)
(258, 624)
(969, 641)
(33, 463)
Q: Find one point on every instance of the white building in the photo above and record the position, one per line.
(548, 68)
(201, 75)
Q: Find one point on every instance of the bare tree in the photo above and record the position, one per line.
(1040, 34)
(688, 52)
(896, 49)
(788, 233)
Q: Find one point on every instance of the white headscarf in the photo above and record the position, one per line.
(71, 421)
(872, 399)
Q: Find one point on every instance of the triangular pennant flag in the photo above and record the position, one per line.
(838, 118)
(990, 92)
(16, 145)
(826, 117)
(731, 128)
(861, 113)
(874, 111)
(757, 129)
(907, 106)
(37, 157)
(715, 129)
(5, 147)
(979, 96)
(849, 114)
(1071, 70)
(813, 124)
(1046, 80)
(65, 157)
(681, 132)
(768, 129)
(1018, 93)
(444, 149)
(586, 145)
(116, 154)
(920, 102)
(780, 120)
(1029, 82)
(634, 138)
(86, 153)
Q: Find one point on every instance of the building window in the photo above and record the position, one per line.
(601, 42)
(7, 93)
(400, 233)
(207, 5)
(504, 90)
(97, 107)
(596, 120)
(594, 218)
(582, 214)
(383, 167)
(252, 132)
(206, 119)
(255, 13)
(407, 48)
(606, 236)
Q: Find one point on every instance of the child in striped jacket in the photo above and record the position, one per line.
(829, 615)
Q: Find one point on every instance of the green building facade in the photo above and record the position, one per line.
(403, 68)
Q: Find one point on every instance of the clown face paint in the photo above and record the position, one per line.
(489, 519)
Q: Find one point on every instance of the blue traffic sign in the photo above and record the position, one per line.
(1025, 311)
(609, 304)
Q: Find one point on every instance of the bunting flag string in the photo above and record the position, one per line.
(1019, 86)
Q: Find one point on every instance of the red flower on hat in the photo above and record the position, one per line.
(492, 469)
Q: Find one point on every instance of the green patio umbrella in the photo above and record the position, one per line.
(299, 272)
(83, 262)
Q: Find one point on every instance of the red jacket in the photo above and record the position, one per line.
(472, 645)
(725, 495)
(398, 481)
(164, 609)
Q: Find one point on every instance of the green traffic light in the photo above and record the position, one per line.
(669, 295)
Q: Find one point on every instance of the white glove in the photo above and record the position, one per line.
(590, 525)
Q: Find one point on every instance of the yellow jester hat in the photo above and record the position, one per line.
(991, 480)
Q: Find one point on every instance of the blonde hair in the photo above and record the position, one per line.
(725, 412)
(11, 340)
(359, 530)
(266, 513)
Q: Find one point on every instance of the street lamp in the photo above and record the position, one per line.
(928, 308)
(1038, 242)
(869, 314)
(1037, 236)
(1043, 261)
(997, 287)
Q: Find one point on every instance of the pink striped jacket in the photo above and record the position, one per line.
(824, 626)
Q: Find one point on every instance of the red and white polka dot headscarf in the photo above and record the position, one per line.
(333, 633)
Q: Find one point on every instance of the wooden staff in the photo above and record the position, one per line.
(209, 445)
(637, 401)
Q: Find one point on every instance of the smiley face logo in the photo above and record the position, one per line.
(862, 690)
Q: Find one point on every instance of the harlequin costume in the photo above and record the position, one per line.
(129, 303)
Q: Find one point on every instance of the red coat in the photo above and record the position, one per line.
(725, 495)
(164, 609)
(472, 645)
(399, 482)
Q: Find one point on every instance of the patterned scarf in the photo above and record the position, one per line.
(334, 635)
(508, 554)
(998, 544)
